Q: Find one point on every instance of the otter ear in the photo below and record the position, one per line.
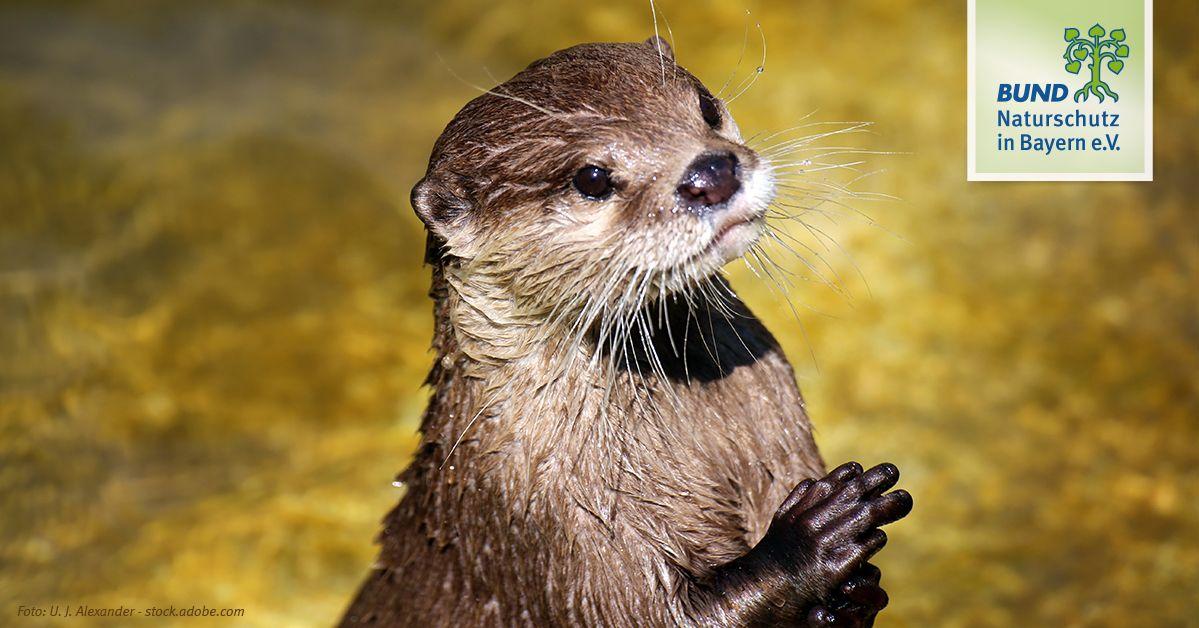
(657, 43)
(441, 202)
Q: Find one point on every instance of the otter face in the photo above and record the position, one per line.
(600, 176)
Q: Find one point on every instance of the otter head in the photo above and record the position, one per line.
(599, 177)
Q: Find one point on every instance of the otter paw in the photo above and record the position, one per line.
(855, 603)
(827, 529)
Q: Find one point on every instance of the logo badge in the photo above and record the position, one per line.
(1059, 91)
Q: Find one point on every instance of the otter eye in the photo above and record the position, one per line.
(593, 182)
(708, 108)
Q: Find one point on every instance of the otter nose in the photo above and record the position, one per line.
(710, 180)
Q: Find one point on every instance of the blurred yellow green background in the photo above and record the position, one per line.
(213, 321)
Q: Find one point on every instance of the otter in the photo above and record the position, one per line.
(613, 439)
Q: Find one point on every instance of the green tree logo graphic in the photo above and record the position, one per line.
(1095, 50)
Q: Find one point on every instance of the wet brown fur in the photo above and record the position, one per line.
(564, 477)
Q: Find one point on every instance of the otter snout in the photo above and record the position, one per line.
(711, 180)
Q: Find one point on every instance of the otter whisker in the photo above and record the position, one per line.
(850, 210)
(670, 34)
(721, 282)
(755, 140)
(658, 41)
(803, 148)
(727, 295)
(835, 282)
(797, 182)
(807, 142)
(683, 294)
(810, 167)
(495, 92)
(686, 336)
(745, 259)
(693, 313)
(615, 318)
(801, 174)
(797, 156)
(846, 126)
(589, 307)
(651, 349)
(795, 314)
(788, 145)
(712, 335)
(849, 150)
(829, 207)
(797, 189)
(784, 272)
(818, 232)
(663, 317)
(804, 201)
(853, 128)
(494, 397)
(760, 255)
(656, 364)
(778, 234)
(753, 78)
(723, 305)
(801, 195)
(598, 305)
(740, 57)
